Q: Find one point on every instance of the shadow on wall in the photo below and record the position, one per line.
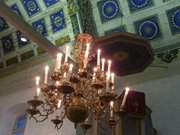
(9, 117)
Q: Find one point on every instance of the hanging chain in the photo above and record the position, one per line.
(86, 14)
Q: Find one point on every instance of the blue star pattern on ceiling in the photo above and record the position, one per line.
(136, 5)
(174, 20)
(117, 29)
(148, 28)
(58, 21)
(7, 44)
(21, 42)
(15, 8)
(3, 24)
(31, 7)
(108, 9)
(49, 3)
(40, 26)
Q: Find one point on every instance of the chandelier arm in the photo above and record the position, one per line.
(58, 127)
(48, 111)
(38, 120)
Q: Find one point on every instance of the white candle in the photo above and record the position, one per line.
(107, 81)
(65, 75)
(66, 54)
(109, 65)
(125, 96)
(111, 109)
(46, 74)
(103, 64)
(86, 55)
(70, 68)
(98, 57)
(59, 103)
(57, 83)
(94, 74)
(112, 78)
(38, 92)
(58, 61)
(37, 81)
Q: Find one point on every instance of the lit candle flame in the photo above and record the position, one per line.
(109, 65)
(57, 83)
(111, 104)
(66, 54)
(70, 68)
(58, 61)
(111, 109)
(59, 103)
(37, 80)
(98, 57)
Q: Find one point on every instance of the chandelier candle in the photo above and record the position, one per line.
(109, 66)
(112, 78)
(57, 83)
(70, 70)
(59, 103)
(46, 75)
(112, 109)
(38, 92)
(86, 55)
(103, 64)
(37, 85)
(66, 54)
(58, 62)
(125, 96)
(98, 57)
(94, 74)
(37, 81)
(107, 81)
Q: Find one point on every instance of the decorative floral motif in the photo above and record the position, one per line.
(15, 8)
(7, 43)
(40, 26)
(135, 5)
(49, 3)
(31, 7)
(174, 19)
(109, 9)
(58, 21)
(148, 28)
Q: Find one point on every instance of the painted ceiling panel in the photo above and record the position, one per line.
(58, 21)
(49, 3)
(40, 26)
(48, 17)
(31, 7)
(157, 21)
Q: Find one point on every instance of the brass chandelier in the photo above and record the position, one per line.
(77, 90)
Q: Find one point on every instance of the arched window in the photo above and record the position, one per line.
(20, 125)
